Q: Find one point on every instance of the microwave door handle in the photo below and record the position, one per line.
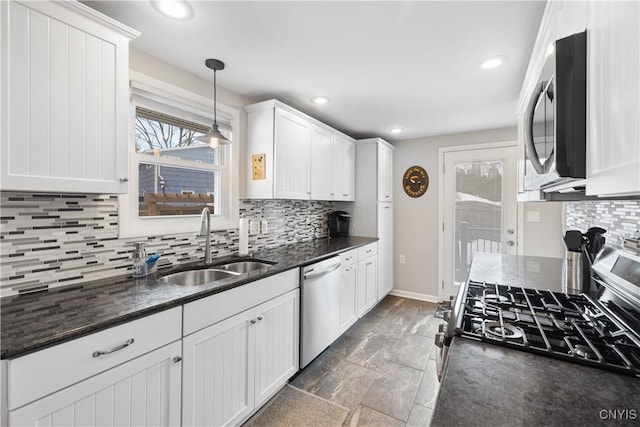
(528, 129)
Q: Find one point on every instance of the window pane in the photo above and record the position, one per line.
(478, 212)
(172, 190)
(163, 136)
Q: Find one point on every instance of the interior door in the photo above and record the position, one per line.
(479, 209)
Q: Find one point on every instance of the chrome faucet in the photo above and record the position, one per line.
(205, 229)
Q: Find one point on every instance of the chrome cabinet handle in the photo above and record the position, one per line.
(124, 179)
(260, 317)
(510, 243)
(253, 321)
(177, 359)
(98, 353)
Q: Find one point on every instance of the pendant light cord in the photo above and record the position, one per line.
(215, 115)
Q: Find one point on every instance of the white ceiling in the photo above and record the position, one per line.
(411, 64)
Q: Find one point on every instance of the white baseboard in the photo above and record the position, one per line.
(415, 295)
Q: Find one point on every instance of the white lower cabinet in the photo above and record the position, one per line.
(367, 293)
(348, 292)
(232, 367)
(385, 249)
(142, 392)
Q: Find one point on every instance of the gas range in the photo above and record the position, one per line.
(575, 328)
(602, 331)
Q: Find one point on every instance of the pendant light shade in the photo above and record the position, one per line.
(214, 138)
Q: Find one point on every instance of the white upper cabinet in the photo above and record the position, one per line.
(322, 166)
(292, 149)
(293, 156)
(385, 173)
(344, 166)
(65, 102)
(613, 93)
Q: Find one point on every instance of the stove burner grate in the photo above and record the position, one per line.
(569, 327)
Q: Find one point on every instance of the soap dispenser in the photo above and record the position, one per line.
(139, 260)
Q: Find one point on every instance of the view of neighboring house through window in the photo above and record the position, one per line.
(177, 175)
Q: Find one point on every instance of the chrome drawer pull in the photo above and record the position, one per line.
(114, 349)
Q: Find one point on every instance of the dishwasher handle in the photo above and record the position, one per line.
(321, 273)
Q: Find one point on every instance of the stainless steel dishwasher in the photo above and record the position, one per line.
(320, 313)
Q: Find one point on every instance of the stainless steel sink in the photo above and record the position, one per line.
(197, 277)
(245, 266)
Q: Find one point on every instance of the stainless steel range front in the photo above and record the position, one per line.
(602, 332)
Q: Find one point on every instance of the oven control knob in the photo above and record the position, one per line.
(446, 315)
(441, 327)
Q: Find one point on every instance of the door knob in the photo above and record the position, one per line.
(511, 231)
(510, 243)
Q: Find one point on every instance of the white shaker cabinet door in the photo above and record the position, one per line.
(292, 156)
(276, 346)
(385, 173)
(613, 154)
(65, 112)
(322, 167)
(218, 373)
(367, 284)
(142, 392)
(348, 292)
(385, 249)
(344, 169)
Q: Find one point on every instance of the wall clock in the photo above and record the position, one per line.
(415, 181)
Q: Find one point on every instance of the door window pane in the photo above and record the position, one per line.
(478, 212)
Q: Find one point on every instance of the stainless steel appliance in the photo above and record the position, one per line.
(581, 250)
(602, 332)
(320, 313)
(555, 124)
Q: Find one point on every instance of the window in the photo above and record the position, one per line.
(173, 176)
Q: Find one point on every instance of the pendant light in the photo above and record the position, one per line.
(214, 138)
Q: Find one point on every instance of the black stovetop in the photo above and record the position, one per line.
(575, 328)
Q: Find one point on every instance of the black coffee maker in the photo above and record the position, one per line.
(339, 224)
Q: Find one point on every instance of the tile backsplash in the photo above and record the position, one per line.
(621, 218)
(52, 240)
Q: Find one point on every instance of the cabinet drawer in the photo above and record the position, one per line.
(368, 250)
(349, 257)
(43, 372)
(207, 311)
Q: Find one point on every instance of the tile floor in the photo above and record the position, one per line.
(383, 368)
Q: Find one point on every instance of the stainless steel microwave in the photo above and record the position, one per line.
(556, 120)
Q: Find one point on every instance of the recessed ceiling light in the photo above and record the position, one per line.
(493, 62)
(396, 130)
(175, 9)
(321, 100)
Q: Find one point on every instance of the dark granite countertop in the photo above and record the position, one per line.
(35, 321)
(486, 384)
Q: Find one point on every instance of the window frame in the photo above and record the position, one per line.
(163, 97)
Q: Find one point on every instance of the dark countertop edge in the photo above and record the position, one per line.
(128, 317)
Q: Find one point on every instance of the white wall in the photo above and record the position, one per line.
(416, 220)
(154, 67)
